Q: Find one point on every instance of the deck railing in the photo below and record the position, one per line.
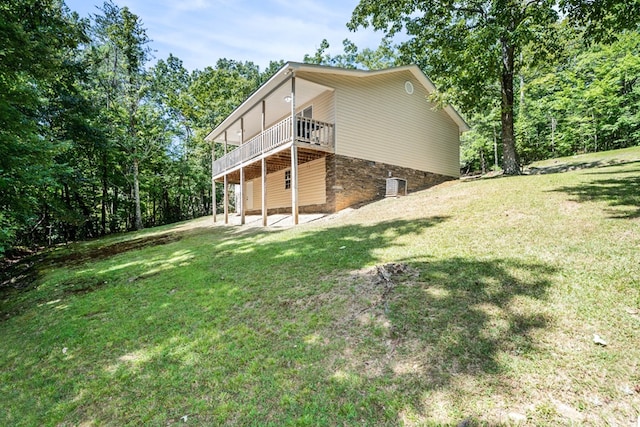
(314, 132)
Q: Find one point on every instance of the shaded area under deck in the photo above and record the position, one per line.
(275, 162)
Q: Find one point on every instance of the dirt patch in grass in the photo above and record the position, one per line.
(565, 167)
(62, 290)
(80, 286)
(365, 290)
(364, 321)
(107, 251)
(20, 271)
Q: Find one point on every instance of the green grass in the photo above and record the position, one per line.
(508, 279)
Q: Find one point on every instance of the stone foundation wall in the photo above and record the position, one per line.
(353, 182)
(358, 181)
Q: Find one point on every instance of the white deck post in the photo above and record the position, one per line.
(264, 171)
(214, 202)
(264, 192)
(226, 186)
(242, 183)
(226, 199)
(294, 156)
(241, 198)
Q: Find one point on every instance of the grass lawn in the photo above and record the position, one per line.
(471, 303)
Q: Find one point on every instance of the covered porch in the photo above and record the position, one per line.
(278, 127)
(310, 136)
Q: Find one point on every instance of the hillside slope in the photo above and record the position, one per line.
(472, 302)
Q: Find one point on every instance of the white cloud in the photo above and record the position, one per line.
(189, 5)
(199, 32)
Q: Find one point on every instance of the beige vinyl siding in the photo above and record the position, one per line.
(311, 187)
(377, 120)
(323, 107)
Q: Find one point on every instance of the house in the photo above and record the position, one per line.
(319, 139)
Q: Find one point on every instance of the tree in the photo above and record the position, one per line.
(187, 170)
(468, 46)
(122, 52)
(91, 141)
(37, 40)
(587, 102)
(602, 20)
(384, 56)
(478, 147)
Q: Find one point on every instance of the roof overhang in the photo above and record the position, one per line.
(276, 90)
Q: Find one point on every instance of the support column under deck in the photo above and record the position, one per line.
(226, 186)
(242, 209)
(242, 200)
(264, 192)
(226, 199)
(294, 184)
(263, 164)
(294, 156)
(214, 200)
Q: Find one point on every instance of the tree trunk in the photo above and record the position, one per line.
(136, 195)
(114, 219)
(510, 163)
(166, 203)
(68, 228)
(105, 195)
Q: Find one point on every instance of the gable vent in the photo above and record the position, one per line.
(408, 86)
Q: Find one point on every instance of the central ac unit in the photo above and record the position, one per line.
(396, 187)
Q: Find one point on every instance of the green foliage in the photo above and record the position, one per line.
(385, 56)
(588, 103)
(479, 147)
(583, 99)
(37, 74)
(93, 140)
(468, 48)
(603, 20)
(226, 85)
(123, 42)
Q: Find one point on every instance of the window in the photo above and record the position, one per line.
(307, 112)
(287, 180)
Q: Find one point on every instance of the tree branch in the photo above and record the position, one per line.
(478, 11)
(530, 3)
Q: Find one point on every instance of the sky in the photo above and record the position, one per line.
(200, 32)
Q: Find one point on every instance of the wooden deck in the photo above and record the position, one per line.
(314, 139)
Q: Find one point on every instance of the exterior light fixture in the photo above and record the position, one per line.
(287, 98)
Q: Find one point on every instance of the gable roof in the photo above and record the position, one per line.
(284, 73)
